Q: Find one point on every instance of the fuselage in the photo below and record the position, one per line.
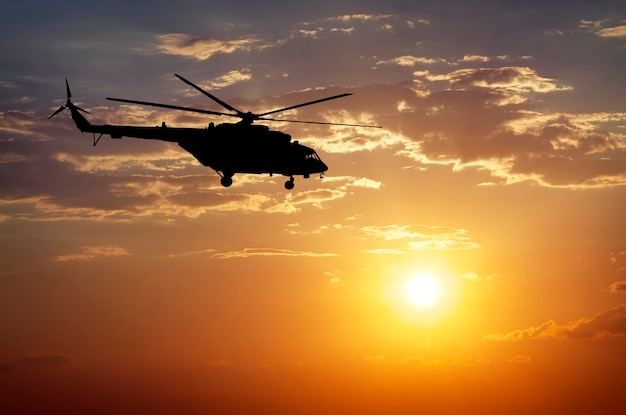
(226, 148)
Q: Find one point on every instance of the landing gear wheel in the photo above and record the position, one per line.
(226, 181)
(289, 184)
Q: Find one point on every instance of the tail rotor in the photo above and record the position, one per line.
(68, 104)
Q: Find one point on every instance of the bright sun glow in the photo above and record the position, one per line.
(423, 290)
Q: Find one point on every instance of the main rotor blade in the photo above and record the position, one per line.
(304, 104)
(213, 97)
(322, 123)
(174, 107)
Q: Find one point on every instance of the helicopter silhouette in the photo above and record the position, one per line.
(227, 148)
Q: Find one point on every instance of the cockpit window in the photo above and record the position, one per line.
(313, 156)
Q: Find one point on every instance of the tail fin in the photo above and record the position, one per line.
(81, 122)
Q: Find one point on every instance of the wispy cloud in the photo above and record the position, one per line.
(472, 276)
(384, 251)
(518, 79)
(228, 79)
(87, 253)
(618, 286)
(317, 198)
(201, 48)
(611, 322)
(615, 31)
(520, 359)
(361, 17)
(469, 361)
(421, 237)
(410, 61)
(334, 279)
(269, 252)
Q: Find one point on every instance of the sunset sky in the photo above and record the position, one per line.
(133, 282)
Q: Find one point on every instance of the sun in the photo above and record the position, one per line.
(423, 290)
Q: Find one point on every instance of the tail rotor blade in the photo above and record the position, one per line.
(69, 104)
(67, 89)
(61, 108)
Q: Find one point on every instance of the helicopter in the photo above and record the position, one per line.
(227, 148)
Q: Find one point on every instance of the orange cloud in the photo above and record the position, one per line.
(520, 359)
(469, 361)
(618, 286)
(88, 253)
(423, 237)
(317, 198)
(251, 252)
(611, 322)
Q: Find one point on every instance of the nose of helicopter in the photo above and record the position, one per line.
(322, 166)
(316, 164)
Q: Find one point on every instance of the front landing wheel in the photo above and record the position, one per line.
(289, 184)
(226, 181)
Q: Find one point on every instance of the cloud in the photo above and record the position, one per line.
(475, 58)
(410, 61)
(336, 282)
(477, 120)
(269, 252)
(334, 279)
(384, 251)
(181, 44)
(618, 286)
(361, 17)
(481, 123)
(317, 198)
(7, 84)
(469, 361)
(520, 359)
(518, 79)
(421, 237)
(137, 179)
(162, 160)
(20, 123)
(209, 251)
(609, 323)
(615, 31)
(472, 276)
(88, 253)
(366, 183)
(228, 79)
(593, 25)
